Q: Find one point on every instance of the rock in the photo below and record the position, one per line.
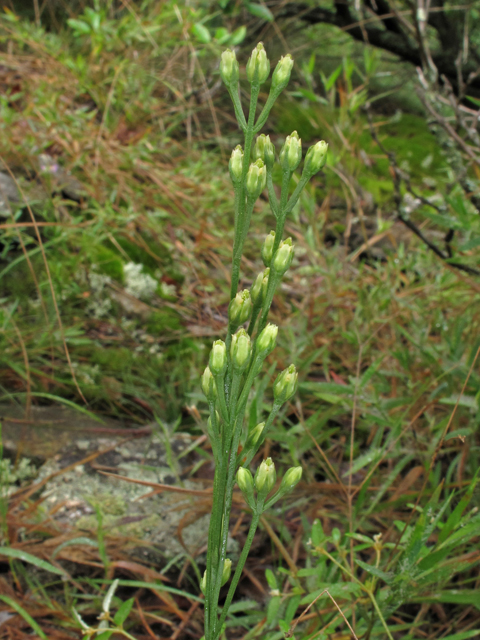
(154, 529)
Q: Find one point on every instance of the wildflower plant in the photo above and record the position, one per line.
(235, 363)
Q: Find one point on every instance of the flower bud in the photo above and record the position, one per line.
(264, 150)
(241, 350)
(283, 256)
(265, 477)
(203, 582)
(286, 384)
(218, 358)
(291, 153)
(254, 435)
(227, 570)
(267, 249)
(258, 65)
(245, 482)
(266, 340)
(208, 385)
(256, 290)
(256, 179)
(316, 158)
(240, 308)
(290, 479)
(229, 67)
(235, 164)
(282, 72)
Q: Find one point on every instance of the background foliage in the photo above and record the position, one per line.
(116, 237)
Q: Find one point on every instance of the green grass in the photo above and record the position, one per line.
(387, 417)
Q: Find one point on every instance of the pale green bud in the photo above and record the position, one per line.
(264, 150)
(240, 308)
(218, 358)
(282, 72)
(266, 340)
(283, 256)
(203, 582)
(267, 249)
(291, 153)
(254, 435)
(316, 158)
(256, 291)
(208, 385)
(241, 350)
(286, 384)
(290, 479)
(227, 570)
(265, 477)
(229, 67)
(245, 482)
(256, 179)
(235, 164)
(258, 65)
(259, 288)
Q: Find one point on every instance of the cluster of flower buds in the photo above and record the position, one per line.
(258, 65)
(264, 481)
(256, 179)
(208, 385)
(267, 248)
(229, 70)
(260, 286)
(285, 385)
(227, 570)
(240, 308)
(235, 165)
(283, 256)
(241, 350)
(264, 150)
(316, 158)
(291, 153)
(218, 358)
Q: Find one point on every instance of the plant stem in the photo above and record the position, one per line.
(246, 163)
(238, 571)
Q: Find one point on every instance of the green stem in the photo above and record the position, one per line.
(239, 569)
(246, 163)
(255, 311)
(220, 382)
(214, 535)
(250, 454)
(237, 105)
(272, 197)
(262, 118)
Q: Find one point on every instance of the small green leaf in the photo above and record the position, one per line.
(18, 554)
(79, 26)
(201, 33)
(107, 601)
(378, 573)
(81, 540)
(238, 36)
(123, 612)
(271, 579)
(26, 616)
(105, 635)
(260, 11)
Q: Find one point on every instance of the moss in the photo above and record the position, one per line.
(108, 262)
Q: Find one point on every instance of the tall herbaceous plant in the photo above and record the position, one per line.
(234, 364)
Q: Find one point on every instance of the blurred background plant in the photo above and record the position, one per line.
(115, 232)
